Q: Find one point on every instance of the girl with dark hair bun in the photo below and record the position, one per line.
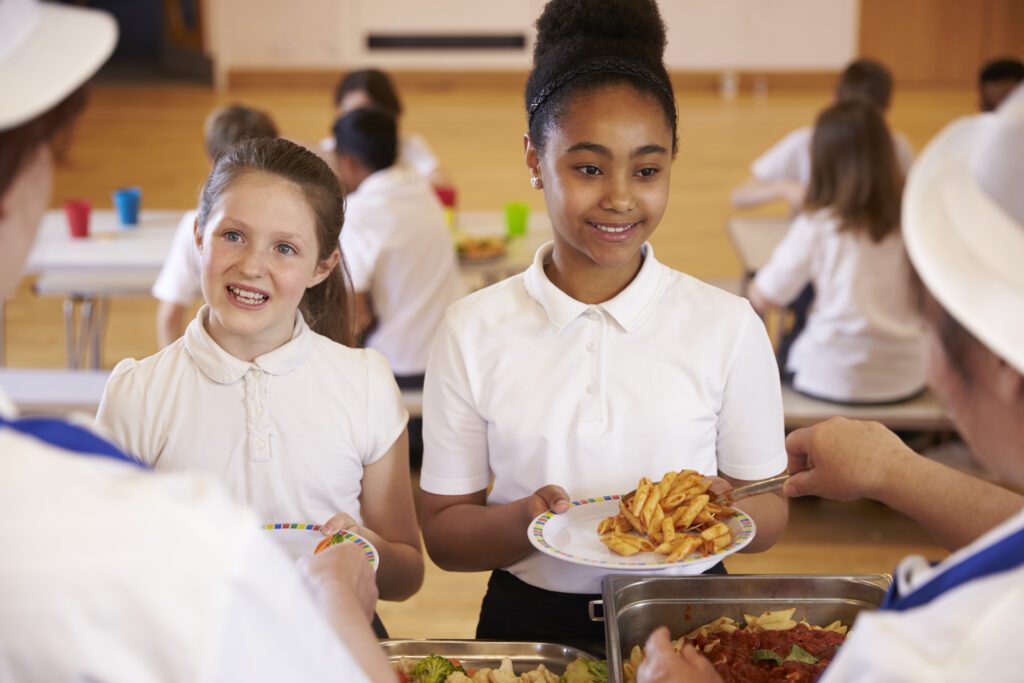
(261, 391)
(598, 365)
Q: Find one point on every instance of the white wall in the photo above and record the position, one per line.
(704, 35)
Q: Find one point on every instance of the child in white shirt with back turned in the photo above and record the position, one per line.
(863, 342)
(261, 392)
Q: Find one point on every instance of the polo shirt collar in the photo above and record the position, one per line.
(223, 368)
(628, 308)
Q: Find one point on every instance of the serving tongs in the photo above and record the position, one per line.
(755, 489)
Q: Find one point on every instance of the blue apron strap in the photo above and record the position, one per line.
(1003, 556)
(67, 436)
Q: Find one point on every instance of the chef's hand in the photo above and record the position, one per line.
(341, 572)
(842, 459)
(663, 665)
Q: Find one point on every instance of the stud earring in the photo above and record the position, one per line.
(536, 182)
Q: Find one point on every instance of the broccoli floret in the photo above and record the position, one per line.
(434, 669)
(586, 671)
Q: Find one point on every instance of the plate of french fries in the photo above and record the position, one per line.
(668, 524)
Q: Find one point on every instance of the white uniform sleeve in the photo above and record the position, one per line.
(904, 152)
(455, 454)
(360, 247)
(178, 282)
(789, 269)
(962, 636)
(415, 151)
(385, 410)
(122, 412)
(272, 630)
(751, 438)
(785, 159)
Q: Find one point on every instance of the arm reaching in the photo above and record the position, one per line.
(844, 459)
(463, 533)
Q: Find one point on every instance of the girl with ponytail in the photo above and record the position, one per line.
(598, 365)
(261, 392)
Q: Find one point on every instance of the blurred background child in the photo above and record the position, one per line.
(261, 392)
(996, 80)
(863, 341)
(374, 88)
(784, 171)
(177, 287)
(398, 250)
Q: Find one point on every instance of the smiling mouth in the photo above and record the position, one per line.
(613, 228)
(248, 297)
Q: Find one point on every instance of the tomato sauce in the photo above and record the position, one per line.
(733, 656)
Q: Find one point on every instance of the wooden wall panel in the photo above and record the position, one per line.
(940, 42)
(1003, 29)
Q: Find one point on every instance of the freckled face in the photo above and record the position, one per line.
(259, 257)
(605, 169)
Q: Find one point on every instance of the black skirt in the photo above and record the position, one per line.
(514, 610)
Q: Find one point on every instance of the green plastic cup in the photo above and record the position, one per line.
(516, 216)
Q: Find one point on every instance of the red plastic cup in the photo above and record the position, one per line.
(447, 196)
(77, 212)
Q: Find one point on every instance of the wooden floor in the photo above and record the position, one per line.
(151, 136)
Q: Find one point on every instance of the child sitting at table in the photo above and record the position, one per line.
(397, 248)
(374, 88)
(261, 392)
(784, 171)
(863, 342)
(177, 286)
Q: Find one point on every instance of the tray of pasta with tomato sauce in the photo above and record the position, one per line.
(751, 627)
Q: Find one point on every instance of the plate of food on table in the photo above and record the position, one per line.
(671, 524)
(475, 249)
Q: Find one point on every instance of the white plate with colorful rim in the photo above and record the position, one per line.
(572, 537)
(307, 539)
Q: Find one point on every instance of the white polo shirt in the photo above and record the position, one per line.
(971, 633)
(398, 249)
(864, 340)
(531, 387)
(179, 279)
(112, 573)
(289, 433)
(790, 157)
(413, 150)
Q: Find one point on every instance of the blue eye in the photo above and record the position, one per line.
(232, 236)
(285, 249)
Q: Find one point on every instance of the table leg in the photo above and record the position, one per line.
(3, 333)
(70, 338)
(96, 331)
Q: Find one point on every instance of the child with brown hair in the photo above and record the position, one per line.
(863, 340)
(261, 392)
(177, 286)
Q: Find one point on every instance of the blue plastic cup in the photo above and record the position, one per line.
(127, 200)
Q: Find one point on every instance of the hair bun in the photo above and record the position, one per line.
(591, 28)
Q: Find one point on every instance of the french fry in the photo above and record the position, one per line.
(606, 525)
(622, 524)
(618, 545)
(665, 485)
(720, 542)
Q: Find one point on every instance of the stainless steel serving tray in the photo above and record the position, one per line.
(633, 606)
(476, 654)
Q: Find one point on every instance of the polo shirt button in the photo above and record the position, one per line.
(592, 346)
(257, 373)
(592, 389)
